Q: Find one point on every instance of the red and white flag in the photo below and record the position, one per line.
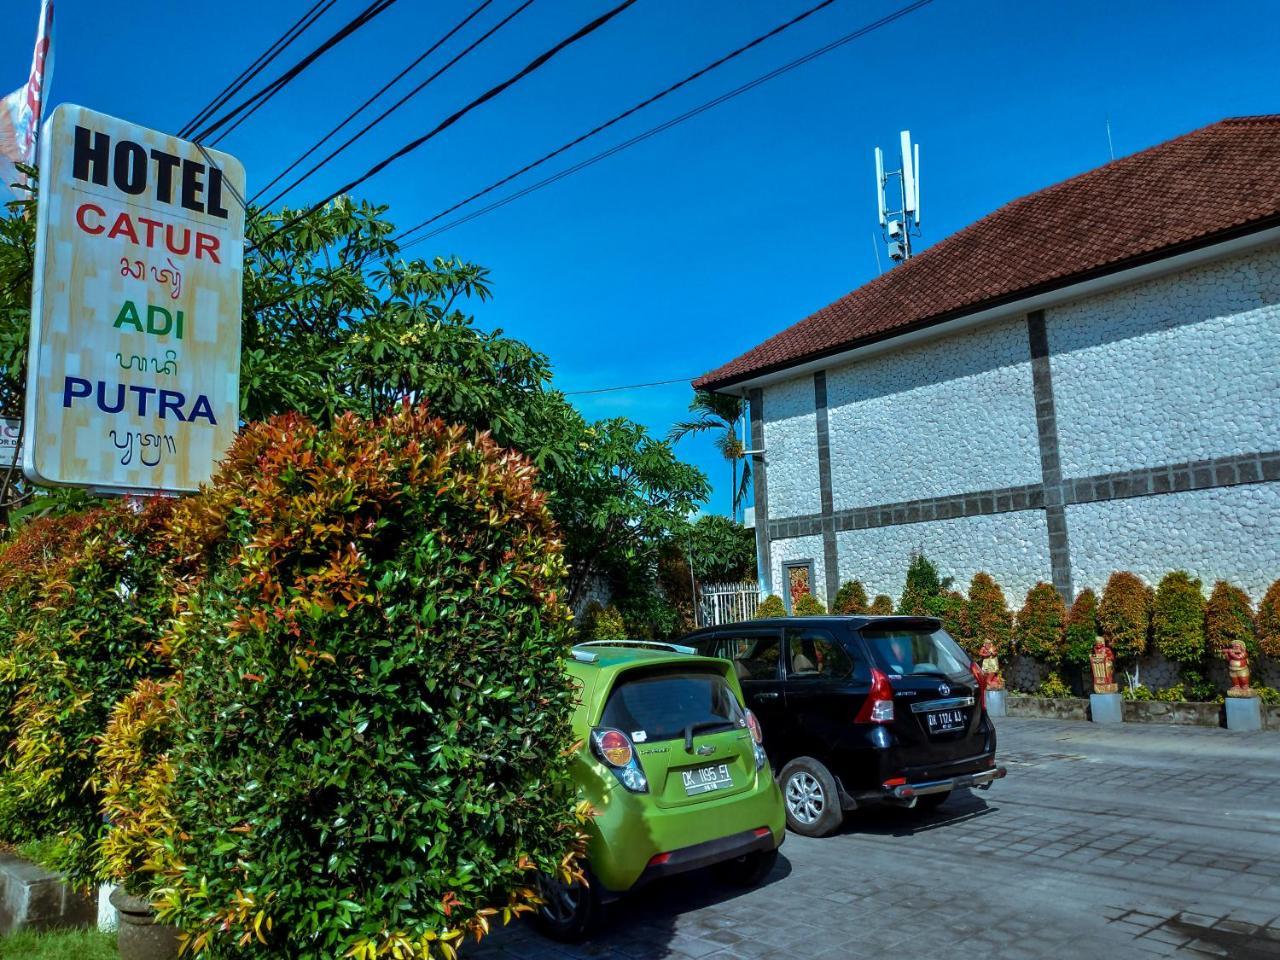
(22, 111)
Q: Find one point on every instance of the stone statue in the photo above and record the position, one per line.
(1238, 670)
(1102, 663)
(991, 667)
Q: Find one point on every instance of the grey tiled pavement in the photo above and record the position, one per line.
(1103, 842)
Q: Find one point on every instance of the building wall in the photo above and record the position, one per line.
(799, 548)
(1183, 367)
(791, 439)
(942, 417)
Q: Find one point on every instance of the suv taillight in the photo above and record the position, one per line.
(878, 707)
(980, 686)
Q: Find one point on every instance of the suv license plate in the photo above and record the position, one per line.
(706, 779)
(942, 721)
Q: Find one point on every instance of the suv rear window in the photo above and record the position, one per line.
(907, 652)
(661, 706)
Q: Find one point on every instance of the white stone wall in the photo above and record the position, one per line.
(948, 416)
(1012, 547)
(791, 448)
(1227, 533)
(1183, 367)
(799, 548)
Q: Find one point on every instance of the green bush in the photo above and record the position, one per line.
(1082, 628)
(1041, 624)
(1054, 688)
(585, 622)
(807, 605)
(851, 598)
(770, 606)
(1268, 695)
(1198, 687)
(1136, 692)
(373, 716)
(952, 609)
(881, 606)
(1269, 622)
(989, 616)
(1174, 694)
(1177, 618)
(922, 587)
(1124, 615)
(1229, 617)
(609, 625)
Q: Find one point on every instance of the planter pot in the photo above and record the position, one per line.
(1065, 708)
(1180, 711)
(140, 936)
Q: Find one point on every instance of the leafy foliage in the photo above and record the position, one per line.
(989, 616)
(1177, 618)
(771, 606)
(1053, 686)
(1269, 622)
(807, 605)
(1228, 617)
(881, 606)
(1124, 615)
(719, 413)
(609, 625)
(370, 758)
(922, 589)
(1198, 687)
(724, 551)
(952, 608)
(851, 598)
(1082, 628)
(1041, 624)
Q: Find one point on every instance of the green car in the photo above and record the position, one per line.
(672, 763)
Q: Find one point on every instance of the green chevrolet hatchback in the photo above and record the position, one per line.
(672, 763)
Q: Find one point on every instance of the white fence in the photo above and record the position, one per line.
(727, 602)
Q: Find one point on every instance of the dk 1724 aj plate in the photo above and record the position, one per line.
(942, 721)
(706, 779)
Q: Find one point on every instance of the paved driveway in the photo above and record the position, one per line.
(1103, 842)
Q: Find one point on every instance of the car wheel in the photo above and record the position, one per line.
(749, 870)
(932, 801)
(811, 798)
(569, 911)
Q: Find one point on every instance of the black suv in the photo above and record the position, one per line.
(857, 710)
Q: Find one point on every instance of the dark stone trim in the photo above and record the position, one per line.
(760, 487)
(830, 558)
(1229, 471)
(1050, 458)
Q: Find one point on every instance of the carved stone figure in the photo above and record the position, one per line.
(991, 667)
(1102, 663)
(1238, 670)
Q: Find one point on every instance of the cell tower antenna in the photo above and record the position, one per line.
(899, 204)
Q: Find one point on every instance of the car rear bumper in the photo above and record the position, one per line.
(980, 781)
(759, 840)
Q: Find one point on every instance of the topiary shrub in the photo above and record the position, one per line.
(989, 616)
(770, 606)
(851, 598)
(371, 753)
(1082, 628)
(881, 606)
(93, 635)
(609, 625)
(1228, 617)
(953, 609)
(808, 606)
(1041, 625)
(922, 587)
(1177, 618)
(1124, 615)
(1268, 622)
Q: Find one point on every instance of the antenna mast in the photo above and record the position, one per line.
(899, 205)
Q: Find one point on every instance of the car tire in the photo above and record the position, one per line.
(749, 870)
(570, 912)
(812, 800)
(932, 801)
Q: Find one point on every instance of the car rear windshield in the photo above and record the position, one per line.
(664, 706)
(908, 652)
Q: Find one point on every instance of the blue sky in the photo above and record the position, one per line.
(682, 252)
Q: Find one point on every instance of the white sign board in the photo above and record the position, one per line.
(134, 371)
(10, 430)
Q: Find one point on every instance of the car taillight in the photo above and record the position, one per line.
(614, 748)
(878, 707)
(754, 726)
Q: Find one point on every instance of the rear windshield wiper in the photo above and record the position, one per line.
(691, 728)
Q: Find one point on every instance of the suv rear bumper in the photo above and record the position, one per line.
(981, 781)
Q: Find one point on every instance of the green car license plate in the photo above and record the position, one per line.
(706, 779)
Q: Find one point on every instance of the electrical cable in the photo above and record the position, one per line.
(253, 103)
(401, 102)
(299, 27)
(628, 386)
(533, 65)
(360, 109)
(652, 131)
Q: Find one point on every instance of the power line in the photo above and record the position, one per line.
(253, 103)
(653, 131)
(385, 87)
(402, 101)
(628, 386)
(731, 55)
(278, 47)
(534, 64)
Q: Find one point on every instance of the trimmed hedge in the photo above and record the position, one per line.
(881, 606)
(1082, 628)
(1177, 618)
(1228, 618)
(989, 616)
(1041, 624)
(770, 606)
(922, 588)
(1268, 623)
(851, 598)
(1124, 615)
(807, 605)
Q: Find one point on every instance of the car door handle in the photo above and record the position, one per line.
(768, 696)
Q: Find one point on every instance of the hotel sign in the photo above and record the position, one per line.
(134, 368)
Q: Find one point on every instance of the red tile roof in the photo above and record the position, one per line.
(1218, 181)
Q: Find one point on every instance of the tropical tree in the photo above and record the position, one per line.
(719, 413)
